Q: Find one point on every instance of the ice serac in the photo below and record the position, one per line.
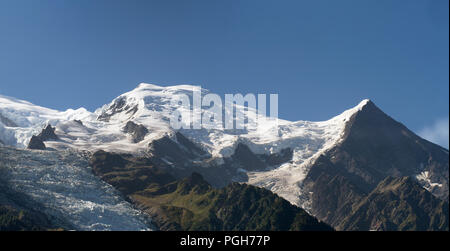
(373, 147)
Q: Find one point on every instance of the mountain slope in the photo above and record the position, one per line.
(192, 204)
(398, 204)
(374, 147)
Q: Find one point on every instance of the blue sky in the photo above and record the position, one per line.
(321, 57)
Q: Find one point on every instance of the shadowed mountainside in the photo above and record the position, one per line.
(193, 204)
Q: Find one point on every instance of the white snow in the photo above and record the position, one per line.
(425, 179)
(30, 119)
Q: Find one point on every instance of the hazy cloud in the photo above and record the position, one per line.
(437, 132)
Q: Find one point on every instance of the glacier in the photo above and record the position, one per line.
(64, 184)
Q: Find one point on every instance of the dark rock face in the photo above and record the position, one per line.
(247, 159)
(182, 157)
(78, 122)
(333, 194)
(48, 134)
(398, 204)
(374, 147)
(6, 121)
(285, 155)
(192, 203)
(189, 145)
(127, 173)
(137, 132)
(36, 143)
(171, 151)
(180, 151)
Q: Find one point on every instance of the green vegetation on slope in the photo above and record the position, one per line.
(14, 219)
(192, 204)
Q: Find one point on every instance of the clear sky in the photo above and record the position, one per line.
(321, 57)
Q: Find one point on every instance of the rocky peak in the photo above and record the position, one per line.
(48, 133)
(247, 159)
(138, 132)
(78, 122)
(36, 143)
(375, 146)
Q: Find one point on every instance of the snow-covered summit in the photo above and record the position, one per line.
(146, 100)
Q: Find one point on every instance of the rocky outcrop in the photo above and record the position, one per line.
(36, 143)
(78, 122)
(247, 160)
(137, 132)
(274, 159)
(48, 133)
(190, 146)
(178, 150)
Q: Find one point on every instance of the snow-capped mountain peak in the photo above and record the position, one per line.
(150, 106)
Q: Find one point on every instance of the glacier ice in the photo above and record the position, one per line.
(63, 182)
